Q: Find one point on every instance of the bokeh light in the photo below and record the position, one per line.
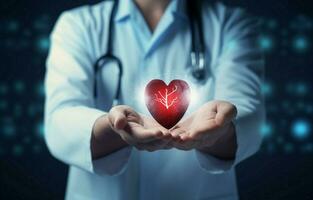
(288, 148)
(39, 130)
(3, 104)
(266, 129)
(12, 26)
(298, 88)
(3, 89)
(40, 89)
(43, 44)
(17, 150)
(19, 86)
(301, 129)
(266, 43)
(9, 130)
(267, 89)
(300, 44)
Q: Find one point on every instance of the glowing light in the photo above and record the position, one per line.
(265, 43)
(266, 129)
(307, 147)
(13, 26)
(300, 44)
(17, 110)
(194, 96)
(272, 24)
(43, 44)
(301, 88)
(3, 89)
(300, 129)
(288, 148)
(3, 104)
(40, 129)
(9, 130)
(19, 86)
(267, 89)
(17, 150)
(40, 89)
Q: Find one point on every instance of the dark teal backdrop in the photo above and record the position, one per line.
(281, 170)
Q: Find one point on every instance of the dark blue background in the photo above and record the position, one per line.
(281, 170)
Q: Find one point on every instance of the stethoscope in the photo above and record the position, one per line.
(197, 55)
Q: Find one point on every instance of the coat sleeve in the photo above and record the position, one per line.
(69, 105)
(238, 76)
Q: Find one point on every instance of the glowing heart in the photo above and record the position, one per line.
(167, 104)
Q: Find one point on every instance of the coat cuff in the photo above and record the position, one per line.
(113, 164)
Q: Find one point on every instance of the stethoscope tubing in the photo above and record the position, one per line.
(197, 54)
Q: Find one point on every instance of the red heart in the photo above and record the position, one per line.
(167, 104)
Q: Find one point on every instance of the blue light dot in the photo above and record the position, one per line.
(280, 140)
(17, 150)
(266, 130)
(309, 108)
(301, 88)
(3, 104)
(288, 148)
(19, 86)
(31, 110)
(272, 24)
(9, 130)
(265, 43)
(300, 129)
(267, 89)
(17, 110)
(307, 148)
(40, 89)
(40, 129)
(300, 43)
(13, 26)
(43, 44)
(3, 89)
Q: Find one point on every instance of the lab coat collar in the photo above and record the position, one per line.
(126, 8)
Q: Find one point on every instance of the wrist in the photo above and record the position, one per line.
(225, 146)
(103, 139)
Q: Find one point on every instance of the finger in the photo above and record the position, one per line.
(176, 134)
(142, 134)
(226, 112)
(126, 137)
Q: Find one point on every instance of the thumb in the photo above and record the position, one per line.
(225, 113)
(120, 121)
(117, 119)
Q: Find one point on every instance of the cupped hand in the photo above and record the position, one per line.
(138, 130)
(204, 127)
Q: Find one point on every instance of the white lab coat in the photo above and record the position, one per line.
(235, 67)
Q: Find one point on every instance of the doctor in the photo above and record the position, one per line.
(120, 152)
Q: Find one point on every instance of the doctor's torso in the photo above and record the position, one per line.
(163, 54)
